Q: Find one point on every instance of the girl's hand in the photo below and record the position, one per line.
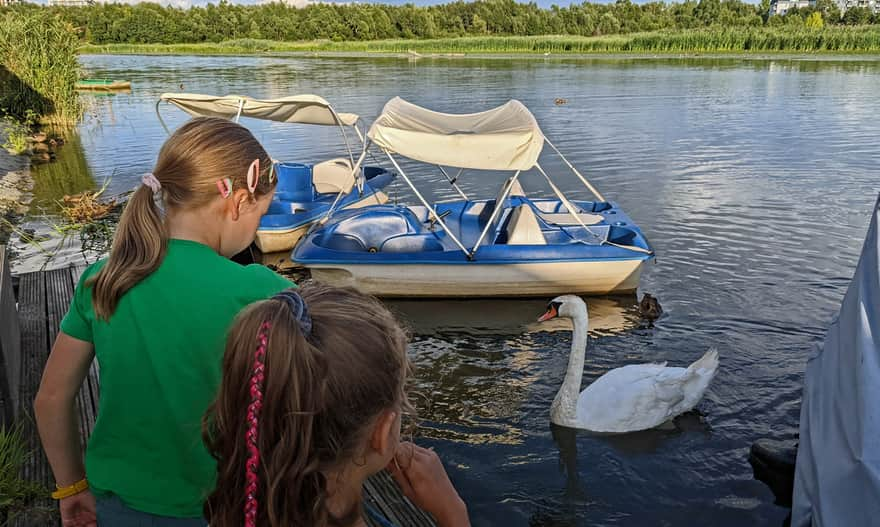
(423, 480)
(78, 510)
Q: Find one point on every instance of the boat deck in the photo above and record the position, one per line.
(26, 335)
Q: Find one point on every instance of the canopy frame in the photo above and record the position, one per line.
(338, 121)
(471, 253)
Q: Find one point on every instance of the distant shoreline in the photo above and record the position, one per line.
(780, 55)
(732, 42)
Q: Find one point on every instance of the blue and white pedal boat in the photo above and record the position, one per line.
(305, 192)
(509, 246)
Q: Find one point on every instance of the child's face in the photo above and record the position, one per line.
(243, 218)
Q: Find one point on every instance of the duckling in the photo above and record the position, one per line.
(649, 307)
(560, 100)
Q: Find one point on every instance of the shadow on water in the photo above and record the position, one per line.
(68, 174)
(475, 317)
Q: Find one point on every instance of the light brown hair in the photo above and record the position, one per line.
(200, 153)
(321, 390)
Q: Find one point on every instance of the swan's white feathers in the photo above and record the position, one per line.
(629, 398)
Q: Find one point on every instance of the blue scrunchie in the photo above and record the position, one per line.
(298, 307)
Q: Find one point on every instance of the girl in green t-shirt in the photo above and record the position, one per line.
(154, 315)
(314, 385)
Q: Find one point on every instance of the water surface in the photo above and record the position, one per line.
(753, 180)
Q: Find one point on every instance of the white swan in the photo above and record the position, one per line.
(627, 399)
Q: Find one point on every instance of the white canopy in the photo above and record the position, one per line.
(306, 109)
(504, 138)
(837, 476)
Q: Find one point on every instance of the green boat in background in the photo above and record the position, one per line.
(102, 85)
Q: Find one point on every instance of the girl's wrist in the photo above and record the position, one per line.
(454, 515)
(66, 491)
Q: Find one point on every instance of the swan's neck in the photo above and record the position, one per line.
(565, 405)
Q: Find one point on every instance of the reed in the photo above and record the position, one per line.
(831, 39)
(38, 51)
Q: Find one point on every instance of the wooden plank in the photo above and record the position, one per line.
(35, 350)
(77, 270)
(382, 492)
(10, 346)
(88, 396)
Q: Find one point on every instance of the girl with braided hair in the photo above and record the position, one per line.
(155, 314)
(314, 386)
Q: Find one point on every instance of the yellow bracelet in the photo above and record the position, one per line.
(70, 490)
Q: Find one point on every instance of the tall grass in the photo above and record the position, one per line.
(863, 39)
(15, 493)
(40, 68)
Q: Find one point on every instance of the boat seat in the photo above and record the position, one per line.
(564, 218)
(515, 190)
(333, 176)
(523, 227)
(412, 243)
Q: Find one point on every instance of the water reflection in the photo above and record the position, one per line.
(68, 174)
(608, 315)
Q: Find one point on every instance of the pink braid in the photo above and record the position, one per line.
(253, 418)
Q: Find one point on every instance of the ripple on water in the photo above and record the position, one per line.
(753, 180)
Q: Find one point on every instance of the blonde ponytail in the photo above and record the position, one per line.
(138, 249)
(198, 154)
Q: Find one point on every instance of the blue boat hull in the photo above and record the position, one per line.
(395, 251)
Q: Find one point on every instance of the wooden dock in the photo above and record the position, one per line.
(26, 336)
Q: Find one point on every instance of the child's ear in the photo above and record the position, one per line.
(236, 201)
(384, 438)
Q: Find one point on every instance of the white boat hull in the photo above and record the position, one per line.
(274, 241)
(484, 280)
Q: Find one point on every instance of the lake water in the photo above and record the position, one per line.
(752, 178)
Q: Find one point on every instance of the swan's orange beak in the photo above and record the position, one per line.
(551, 313)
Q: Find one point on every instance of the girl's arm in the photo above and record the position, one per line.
(423, 480)
(55, 409)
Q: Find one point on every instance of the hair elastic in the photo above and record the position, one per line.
(298, 307)
(253, 421)
(149, 180)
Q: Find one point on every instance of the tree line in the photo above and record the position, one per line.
(107, 23)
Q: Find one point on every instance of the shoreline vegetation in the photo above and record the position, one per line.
(474, 27)
(863, 40)
(38, 68)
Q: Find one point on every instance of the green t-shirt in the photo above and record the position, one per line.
(160, 359)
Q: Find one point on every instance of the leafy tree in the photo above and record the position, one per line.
(829, 9)
(814, 21)
(856, 16)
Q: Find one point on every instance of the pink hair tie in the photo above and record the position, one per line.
(150, 181)
(253, 421)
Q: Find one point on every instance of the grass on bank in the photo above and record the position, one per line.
(861, 39)
(15, 493)
(16, 131)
